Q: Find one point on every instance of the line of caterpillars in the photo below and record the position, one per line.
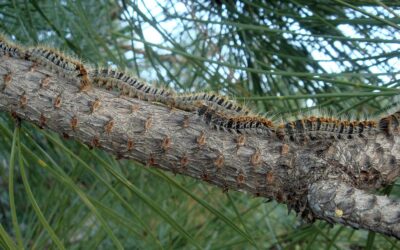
(218, 111)
(300, 130)
(112, 79)
(133, 87)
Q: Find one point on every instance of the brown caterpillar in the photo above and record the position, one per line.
(313, 128)
(131, 86)
(218, 111)
(191, 102)
(60, 63)
(8, 48)
(309, 128)
(237, 124)
(390, 124)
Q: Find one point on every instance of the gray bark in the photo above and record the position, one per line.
(310, 177)
(338, 202)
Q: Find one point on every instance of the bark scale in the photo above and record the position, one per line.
(313, 178)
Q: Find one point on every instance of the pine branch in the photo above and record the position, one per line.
(338, 202)
(302, 175)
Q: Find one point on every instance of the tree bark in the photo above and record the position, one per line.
(338, 202)
(321, 179)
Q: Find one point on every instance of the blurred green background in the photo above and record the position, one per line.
(280, 58)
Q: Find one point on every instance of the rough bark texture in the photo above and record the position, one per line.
(297, 174)
(335, 201)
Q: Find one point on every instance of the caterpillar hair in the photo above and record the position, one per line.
(131, 86)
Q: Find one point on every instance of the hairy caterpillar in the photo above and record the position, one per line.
(69, 67)
(10, 49)
(213, 101)
(61, 63)
(218, 111)
(323, 128)
(309, 128)
(240, 124)
(131, 86)
(390, 123)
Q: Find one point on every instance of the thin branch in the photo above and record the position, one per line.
(338, 202)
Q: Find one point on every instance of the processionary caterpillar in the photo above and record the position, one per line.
(191, 102)
(241, 124)
(60, 63)
(324, 128)
(390, 123)
(218, 111)
(8, 48)
(308, 128)
(131, 86)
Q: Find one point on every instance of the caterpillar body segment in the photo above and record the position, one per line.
(132, 86)
(8, 48)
